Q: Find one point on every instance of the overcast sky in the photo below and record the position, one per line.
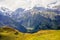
(27, 4)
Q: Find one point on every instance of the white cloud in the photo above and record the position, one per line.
(13, 4)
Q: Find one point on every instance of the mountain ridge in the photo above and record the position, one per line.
(33, 20)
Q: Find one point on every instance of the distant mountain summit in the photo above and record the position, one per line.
(20, 10)
(6, 11)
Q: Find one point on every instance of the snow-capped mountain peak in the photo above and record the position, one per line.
(3, 9)
(6, 11)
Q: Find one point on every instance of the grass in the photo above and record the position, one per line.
(7, 33)
(47, 35)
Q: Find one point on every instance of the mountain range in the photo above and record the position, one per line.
(32, 20)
